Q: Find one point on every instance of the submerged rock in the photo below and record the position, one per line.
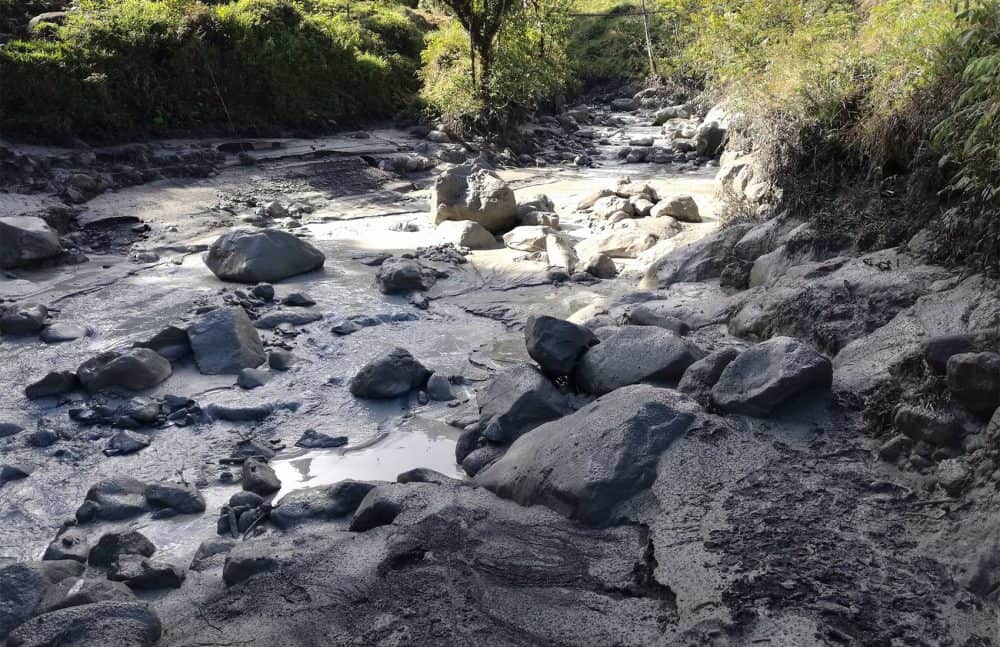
(765, 375)
(267, 255)
(391, 375)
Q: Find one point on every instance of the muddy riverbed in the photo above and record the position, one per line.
(784, 529)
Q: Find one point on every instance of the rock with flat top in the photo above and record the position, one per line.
(262, 255)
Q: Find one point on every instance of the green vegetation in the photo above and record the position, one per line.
(132, 67)
(527, 65)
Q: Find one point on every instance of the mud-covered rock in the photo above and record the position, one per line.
(259, 478)
(224, 341)
(113, 499)
(698, 261)
(265, 255)
(587, 463)
(390, 375)
(935, 427)
(765, 375)
(633, 354)
(135, 370)
(183, 499)
(516, 400)
(556, 344)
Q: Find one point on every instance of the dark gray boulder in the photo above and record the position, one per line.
(934, 427)
(266, 255)
(322, 503)
(974, 381)
(113, 545)
(251, 378)
(517, 400)
(439, 388)
(224, 341)
(14, 472)
(312, 439)
(126, 442)
(122, 624)
(481, 457)
(394, 374)
(113, 499)
(701, 376)
(765, 375)
(278, 317)
(183, 499)
(938, 350)
(399, 275)
(556, 344)
(135, 369)
(25, 240)
(633, 354)
(27, 587)
(172, 342)
(643, 316)
(587, 463)
(23, 319)
(54, 383)
(138, 572)
(93, 591)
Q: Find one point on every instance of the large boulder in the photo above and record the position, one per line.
(701, 376)
(466, 233)
(587, 463)
(225, 342)
(394, 374)
(25, 240)
(515, 401)
(28, 587)
(135, 369)
(114, 499)
(974, 380)
(398, 275)
(320, 503)
(556, 344)
(765, 375)
(681, 207)
(265, 255)
(122, 624)
(633, 354)
(704, 259)
(473, 192)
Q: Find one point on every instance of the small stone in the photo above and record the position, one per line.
(298, 300)
(439, 388)
(125, 442)
(313, 439)
(280, 360)
(141, 573)
(14, 472)
(251, 378)
(258, 477)
(113, 545)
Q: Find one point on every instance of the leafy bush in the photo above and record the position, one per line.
(530, 65)
(133, 67)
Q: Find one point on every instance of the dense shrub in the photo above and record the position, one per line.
(132, 67)
(530, 66)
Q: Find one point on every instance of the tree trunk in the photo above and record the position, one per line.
(472, 57)
(649, 42)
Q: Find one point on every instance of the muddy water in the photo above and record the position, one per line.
(354, 212)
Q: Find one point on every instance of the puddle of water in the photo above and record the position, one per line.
(421, 442)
